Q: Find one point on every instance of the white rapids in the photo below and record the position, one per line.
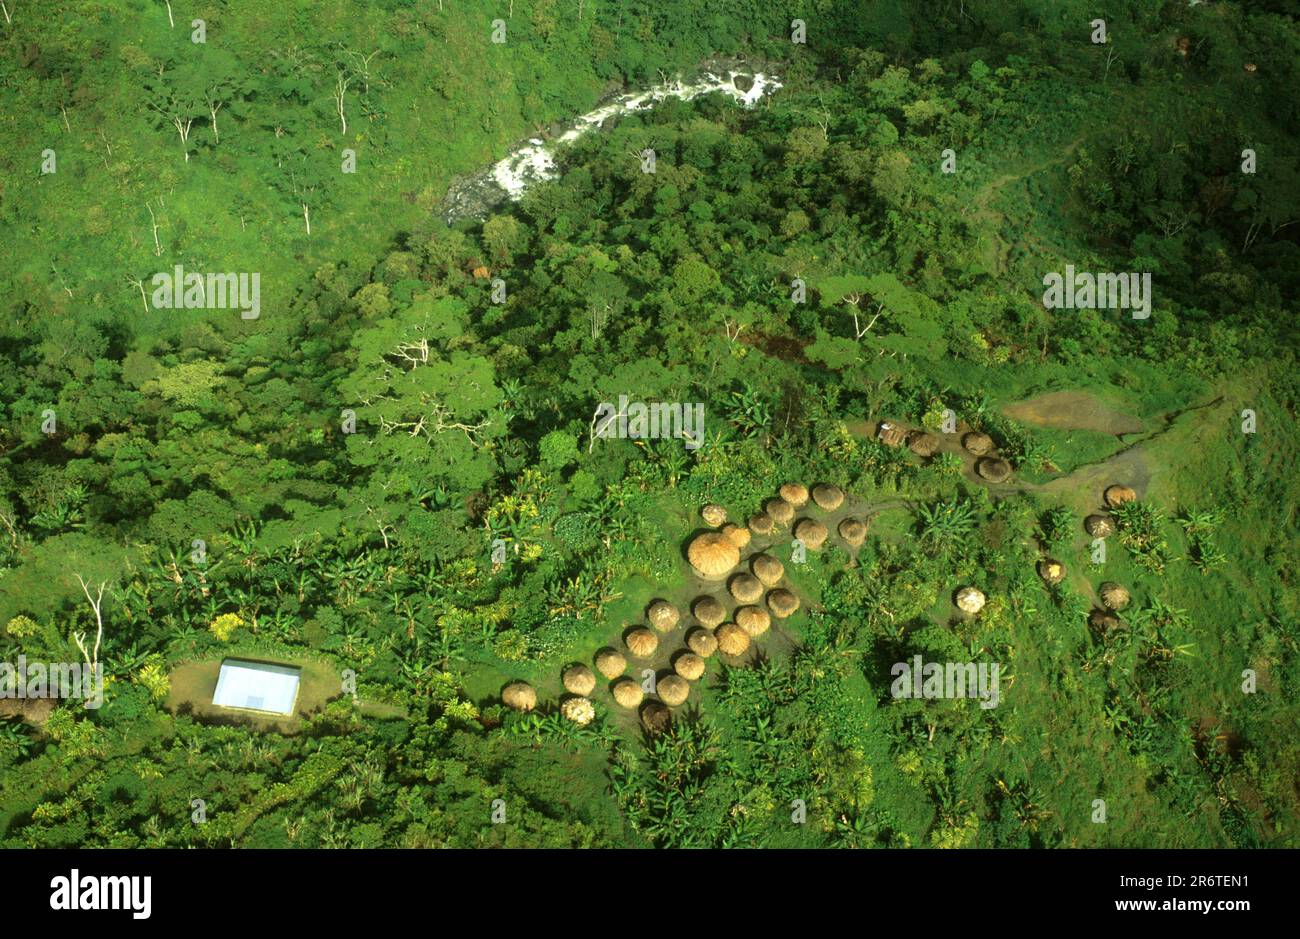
(534, 160)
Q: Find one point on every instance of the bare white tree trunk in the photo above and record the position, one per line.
(138, 283)
(153, 220)
(8, 18)
(340, 91)
(183, 128)
(96, 605)
(213, 107)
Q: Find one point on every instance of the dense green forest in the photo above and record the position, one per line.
(391, 473)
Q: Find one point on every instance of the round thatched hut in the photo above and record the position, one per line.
(732, 640)
(655, 717)
(853, 531)
(811, 532)
(610, 663)
(754, 620)
(579, 710)
(1118, 495)
(689, 665)
(701, 642)
(761, 524)
(1099, 526)
(627, 693)
(780, 511)
(795, 493)
(746, 588)
(828, 497)
(709, 611)
(970, 600)
(641, 642)
(713, 555)
(662, 615)
(782, 603)
(673, 690)
(1103, 620)
(1113, 596)
(977, 443)
(713, 515)
(737, 536)
(519, 695)
(923, 444)
(767, 569)
(579, 680)
(994, 469)
(1051, 570)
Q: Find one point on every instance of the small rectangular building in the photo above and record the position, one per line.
(257, 686)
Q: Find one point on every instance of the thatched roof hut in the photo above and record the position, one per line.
(700, 641)
(641, 642)
(1099, 526)
(1113, 596)
(811, 532)
(579, 680)
(713, 515)
(655, 717)
(795, 493)
(767, 569)
(761, 524)
(736, 535)
(780, 511)
(923, 444)
(610, 663)
(853, 531)
(782, 603)
(709, 611)
(627, 693)
(890, 434)
(1103, 620)
(977, 443)
(662, 615)
(579, 710)
(746, 588)
(688, 665)
(1118, 495)
(673, 690)
(1051, 570)
(994, 469)
(753, 619)
(519, 695)
(828, 497)
(970, 600)
(732, 640)
(713, 555)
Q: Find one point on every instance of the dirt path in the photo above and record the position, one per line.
(1000, 249)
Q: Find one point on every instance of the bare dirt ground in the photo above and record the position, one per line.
(1073, 410)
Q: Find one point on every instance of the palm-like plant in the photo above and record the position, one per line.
(747, 410)
(945, 521)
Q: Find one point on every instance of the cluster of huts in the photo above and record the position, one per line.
(988, 464)
(743, 591)
(1114, 597)
(726, 621)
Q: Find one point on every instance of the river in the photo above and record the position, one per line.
(534, 160)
